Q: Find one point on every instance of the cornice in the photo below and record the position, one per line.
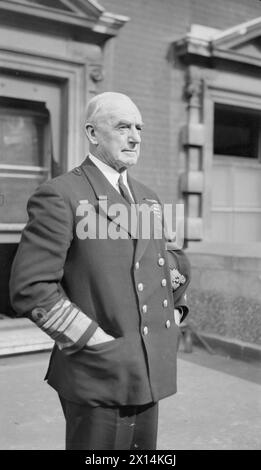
(209, 43)
(86, 18)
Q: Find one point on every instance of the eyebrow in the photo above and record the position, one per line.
(126, 122)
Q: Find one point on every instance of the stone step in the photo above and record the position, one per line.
(20, 335)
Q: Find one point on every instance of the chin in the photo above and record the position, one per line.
(131, 160)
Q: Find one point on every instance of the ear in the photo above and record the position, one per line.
(90, 132)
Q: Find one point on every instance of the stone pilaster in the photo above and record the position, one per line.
(192, 138)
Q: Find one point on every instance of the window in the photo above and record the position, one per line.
(23, 126)
(236, 131)
(25, 157)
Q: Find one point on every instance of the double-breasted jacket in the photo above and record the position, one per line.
(68, 281)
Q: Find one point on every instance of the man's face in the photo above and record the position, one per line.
(117, 131)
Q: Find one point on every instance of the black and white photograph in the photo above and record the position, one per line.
(130, 228)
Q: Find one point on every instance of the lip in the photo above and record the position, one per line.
(129, 151)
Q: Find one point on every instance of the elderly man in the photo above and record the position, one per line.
(107, 301)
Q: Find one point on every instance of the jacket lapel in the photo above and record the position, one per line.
(140, 198)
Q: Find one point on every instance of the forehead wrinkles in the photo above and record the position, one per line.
(112, 113)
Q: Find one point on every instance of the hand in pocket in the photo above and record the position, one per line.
(98, 337)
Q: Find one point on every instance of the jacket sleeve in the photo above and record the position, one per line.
(37, 271)
(180, 277)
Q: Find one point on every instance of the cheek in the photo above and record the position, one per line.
(117, 144)
(112, 145)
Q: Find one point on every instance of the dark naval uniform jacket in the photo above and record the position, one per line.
(69, 283)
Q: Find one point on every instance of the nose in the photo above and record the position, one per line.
(134, 135)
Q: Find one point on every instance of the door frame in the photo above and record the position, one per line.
(71, 75)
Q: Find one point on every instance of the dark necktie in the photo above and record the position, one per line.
(124, 190)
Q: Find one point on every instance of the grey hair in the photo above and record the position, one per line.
(98, 102)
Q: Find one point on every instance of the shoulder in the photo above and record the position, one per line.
(72, 177)
(66, 185)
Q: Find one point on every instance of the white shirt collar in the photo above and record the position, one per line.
(109, 173)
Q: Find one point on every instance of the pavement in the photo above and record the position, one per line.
(217, 407)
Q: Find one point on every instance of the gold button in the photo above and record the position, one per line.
(167, 324)
(144, 308)
(165, 303)
(145, 330)
(164, 282)
(140, 287)
(161, 261)
(137, 265)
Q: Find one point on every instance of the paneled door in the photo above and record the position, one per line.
(236, 175)
(236, 200)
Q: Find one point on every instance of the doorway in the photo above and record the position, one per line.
(32, 149)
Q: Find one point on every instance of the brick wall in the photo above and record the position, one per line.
(141, 69)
